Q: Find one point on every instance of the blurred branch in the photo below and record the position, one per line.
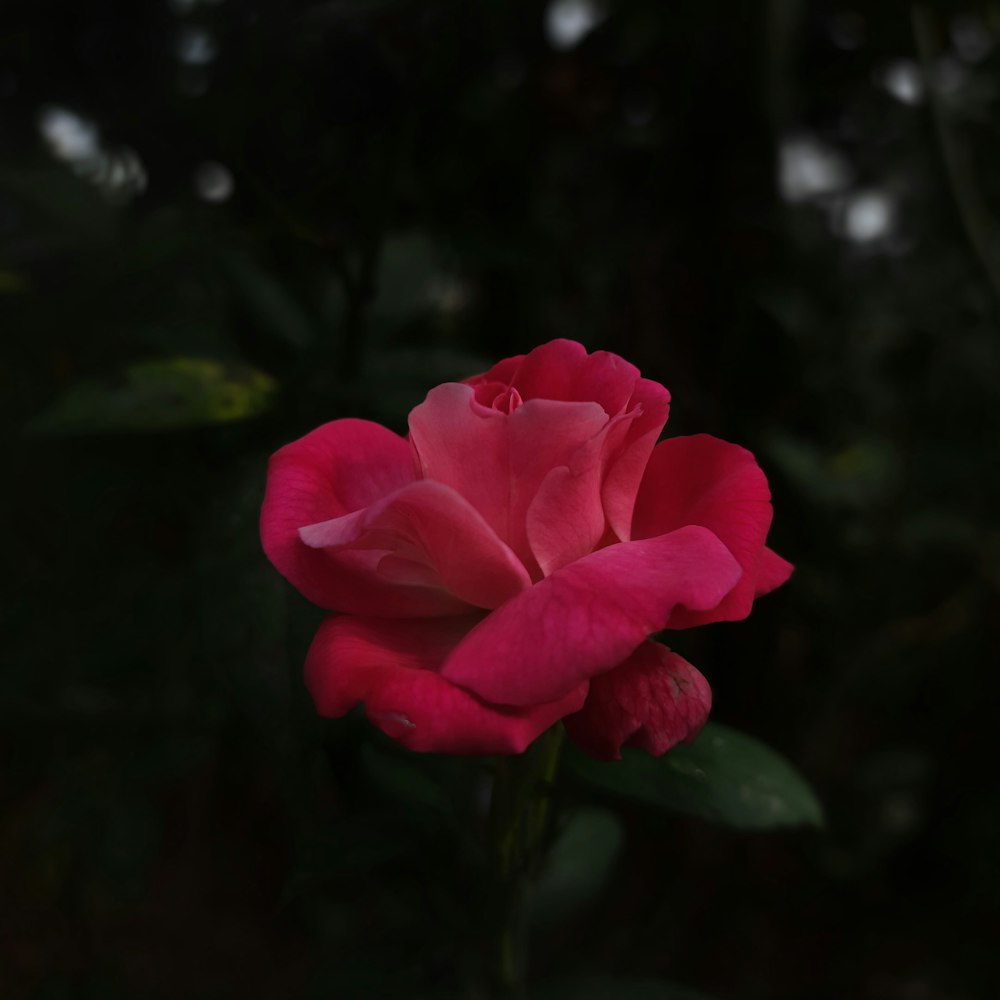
(973, 212)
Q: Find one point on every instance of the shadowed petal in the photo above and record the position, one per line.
(654, 700)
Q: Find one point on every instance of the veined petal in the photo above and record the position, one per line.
(654, 700)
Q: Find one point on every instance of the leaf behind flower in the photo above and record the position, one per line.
(725, 777)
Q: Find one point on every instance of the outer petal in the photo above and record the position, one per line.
(334, 470)
(702, 480)
(430, 524)
(494, 460)
(589, 616)
(390, 666)
(654, 700)
(773, 572)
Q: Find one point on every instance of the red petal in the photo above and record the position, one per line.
(702, 480)
(497, 461)
(589, 616)
(334, 470)
(430, 524)
(651, 402)
(390, 666)
(654, 700)
(773, 572)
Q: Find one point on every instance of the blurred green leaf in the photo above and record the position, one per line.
(724, 776)
(173, 393)
(578, 866)
(610, 988)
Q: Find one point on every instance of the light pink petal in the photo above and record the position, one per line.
(772, 573)
(654, 700)
(390, 665)
(589, 616)
(496, 461)
(651, 402)
(332, 471)
(566, 519)
(702, 480)
(429, 524)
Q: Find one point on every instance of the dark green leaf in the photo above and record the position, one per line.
(724, 776)
(578, 866)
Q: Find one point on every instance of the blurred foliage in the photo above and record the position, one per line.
(723, 776)
(224, 223)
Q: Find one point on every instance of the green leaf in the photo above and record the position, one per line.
(610, 988)
(578, 865)
(174, 393)
(724, 776)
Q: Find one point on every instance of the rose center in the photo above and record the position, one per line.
(508, 400)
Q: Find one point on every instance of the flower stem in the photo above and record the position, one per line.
(520, 810)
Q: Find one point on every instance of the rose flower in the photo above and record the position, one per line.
(503, 567)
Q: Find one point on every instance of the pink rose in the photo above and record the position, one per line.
(503, 567)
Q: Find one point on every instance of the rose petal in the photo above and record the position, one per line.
(566, 519)
(550, 371)
(702, 480)
(654, 700)
(772, 573)
(497, 461)
(563, 370)
(430, 524)
(332, 471)
(651, 401)
(390, 666)
(589, 616)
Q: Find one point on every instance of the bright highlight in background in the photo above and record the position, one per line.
(568, 22)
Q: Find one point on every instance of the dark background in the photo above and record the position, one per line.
(222, 223)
